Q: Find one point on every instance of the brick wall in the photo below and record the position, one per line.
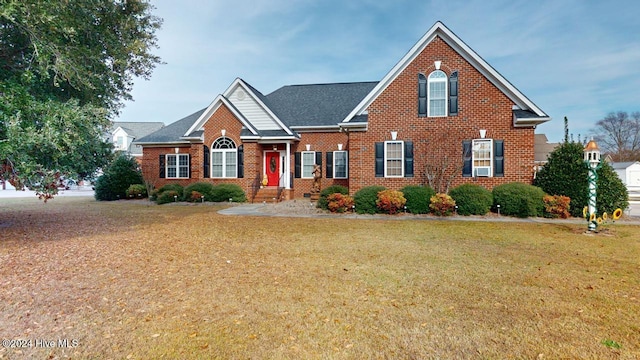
(438, 140)
(324, 142)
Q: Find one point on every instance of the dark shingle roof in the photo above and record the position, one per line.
(318, 104)
(173, 132)
(137, 129)
(295, 105)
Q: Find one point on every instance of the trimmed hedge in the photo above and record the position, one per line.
(417, 198)
(168, 196)
(224, 192)
(203, 188)
(136, 191)
(519, 199)
(365, 199)
(333, 189)
(472, 199)
(177, 188)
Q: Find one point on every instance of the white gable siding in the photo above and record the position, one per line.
(252, 111)
(125, 139)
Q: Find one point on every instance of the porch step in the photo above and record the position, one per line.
(267, 194)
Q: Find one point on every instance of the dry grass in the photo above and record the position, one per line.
(129, 280)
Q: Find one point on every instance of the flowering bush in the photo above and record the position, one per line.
(339, 203)
(390, 201)
(557, 206)
(194, 196)
(442, 204)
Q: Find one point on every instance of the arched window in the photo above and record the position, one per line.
(224, 158)
(437, 94)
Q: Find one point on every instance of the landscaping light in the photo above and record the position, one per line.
(498, 206)
(202, 197)
(175, 198)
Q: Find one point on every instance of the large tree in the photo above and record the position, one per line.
(65, 69)
(618, 134)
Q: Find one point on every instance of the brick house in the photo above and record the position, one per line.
(442, 117)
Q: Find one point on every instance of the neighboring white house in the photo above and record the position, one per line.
(125, 134)
(629, 173)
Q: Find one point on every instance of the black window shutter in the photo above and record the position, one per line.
(408, 159)
(189, 157)
(161, 165)
(297, 169)
(453, 93)
(329, 171)
(319, 159)
(498, 158)
(379, 159)
(206, 159)
(422, 95)
(241, 161)
(466, 157)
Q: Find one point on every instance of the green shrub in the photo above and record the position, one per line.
(118, 176)
(390, 201)
(203, 188)
(519, 199)
(611, 194)
(136, 191)
(333, 189)
(339, 203)
(566, 174)
(176, 188)
(418, 198)
(365, 199)
(472, 199)
(224, 192)
(442, 204)
(168, 196)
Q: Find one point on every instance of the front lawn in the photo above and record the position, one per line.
(130, 279)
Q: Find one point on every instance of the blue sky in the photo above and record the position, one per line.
(574, 58)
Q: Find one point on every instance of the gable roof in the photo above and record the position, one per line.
(441, 31)
(172, 133)
(223, 98)
(136, 129)
(317, 105)
(542, 148)
(623, 165)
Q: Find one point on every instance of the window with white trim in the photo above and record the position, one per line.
(394, 158)
(482, 157)
(224, 158)
(308, 161)
(340, 164)
(437, 94)
(177, 166)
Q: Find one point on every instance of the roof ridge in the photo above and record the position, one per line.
(335, 83)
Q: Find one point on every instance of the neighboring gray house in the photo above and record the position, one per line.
(124, 135)
(629, 173)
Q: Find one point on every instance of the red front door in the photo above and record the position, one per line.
(273, 168)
